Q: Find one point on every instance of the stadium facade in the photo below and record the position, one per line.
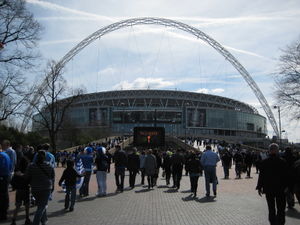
(181, 113)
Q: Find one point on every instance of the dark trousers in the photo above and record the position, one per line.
(177, 174)
(120, 175)
(142, 175)
(84, 190)
(150, 181)
(276, 206)
(194, 183)
(168, 175)
(132, 175)
(4, 199)
(70, 196)
(248, 169)
(226, 171)
(238, 169)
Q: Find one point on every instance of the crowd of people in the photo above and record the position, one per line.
(31, 173)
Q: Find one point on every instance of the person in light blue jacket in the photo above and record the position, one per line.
(209, 160)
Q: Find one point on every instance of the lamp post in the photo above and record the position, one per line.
(279, 122)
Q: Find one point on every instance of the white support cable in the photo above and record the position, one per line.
(168, 23)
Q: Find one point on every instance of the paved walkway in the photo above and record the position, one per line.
(237, 203)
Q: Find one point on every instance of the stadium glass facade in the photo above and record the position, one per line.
(180, 113)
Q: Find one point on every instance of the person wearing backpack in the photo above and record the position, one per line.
(5, 172)
(101, 162)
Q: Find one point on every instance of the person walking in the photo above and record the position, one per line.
(5, 173)
(226, 162)
(20, 183)
(142, 166)
(133, 166)
(41, 176)
(167, 166)
(101, 162)
(239, 162)
(120, 159)
(249, 159)
(195, 170)
(150, 168)
(209, 160)
(87, 161)
(272, 181)
(69, 176)
(11, 153)
(177, 167)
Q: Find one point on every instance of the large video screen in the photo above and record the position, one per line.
(149, 136)
(196, 117)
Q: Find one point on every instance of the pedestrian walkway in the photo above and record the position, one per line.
(237, 203)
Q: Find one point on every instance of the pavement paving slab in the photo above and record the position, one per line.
(237, 203)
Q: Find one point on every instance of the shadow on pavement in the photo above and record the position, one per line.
(144, 190)
(171, 190)
(293, 213)
(189, 198)
(162, 186)
(186, 191)
(206, 199)
(57, 213)
(85, 199)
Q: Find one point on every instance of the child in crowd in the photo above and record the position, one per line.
(69, 176)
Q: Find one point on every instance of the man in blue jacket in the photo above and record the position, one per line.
(87, 161)
(209, 162)
(5, 173)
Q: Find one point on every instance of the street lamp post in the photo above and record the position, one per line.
(279, 123)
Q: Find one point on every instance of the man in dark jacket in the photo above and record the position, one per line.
(133, 166)
(120, 159)
(248, 162)
(177, 166)
(272, 181)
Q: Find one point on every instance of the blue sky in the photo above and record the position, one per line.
(157, 57)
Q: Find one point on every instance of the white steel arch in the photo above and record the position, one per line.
(181, 26)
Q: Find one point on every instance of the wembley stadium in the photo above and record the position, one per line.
(181, 113)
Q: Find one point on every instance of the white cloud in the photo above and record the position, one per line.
(144, 83)
(217, 90)
(203, 90)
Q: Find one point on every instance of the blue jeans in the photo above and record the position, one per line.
(70, 191)
(101, 180)
(210, 177)
(41, 199)
(84, 190)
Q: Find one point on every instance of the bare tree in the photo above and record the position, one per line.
(288, 80)
(19, 33)
(55, 100)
